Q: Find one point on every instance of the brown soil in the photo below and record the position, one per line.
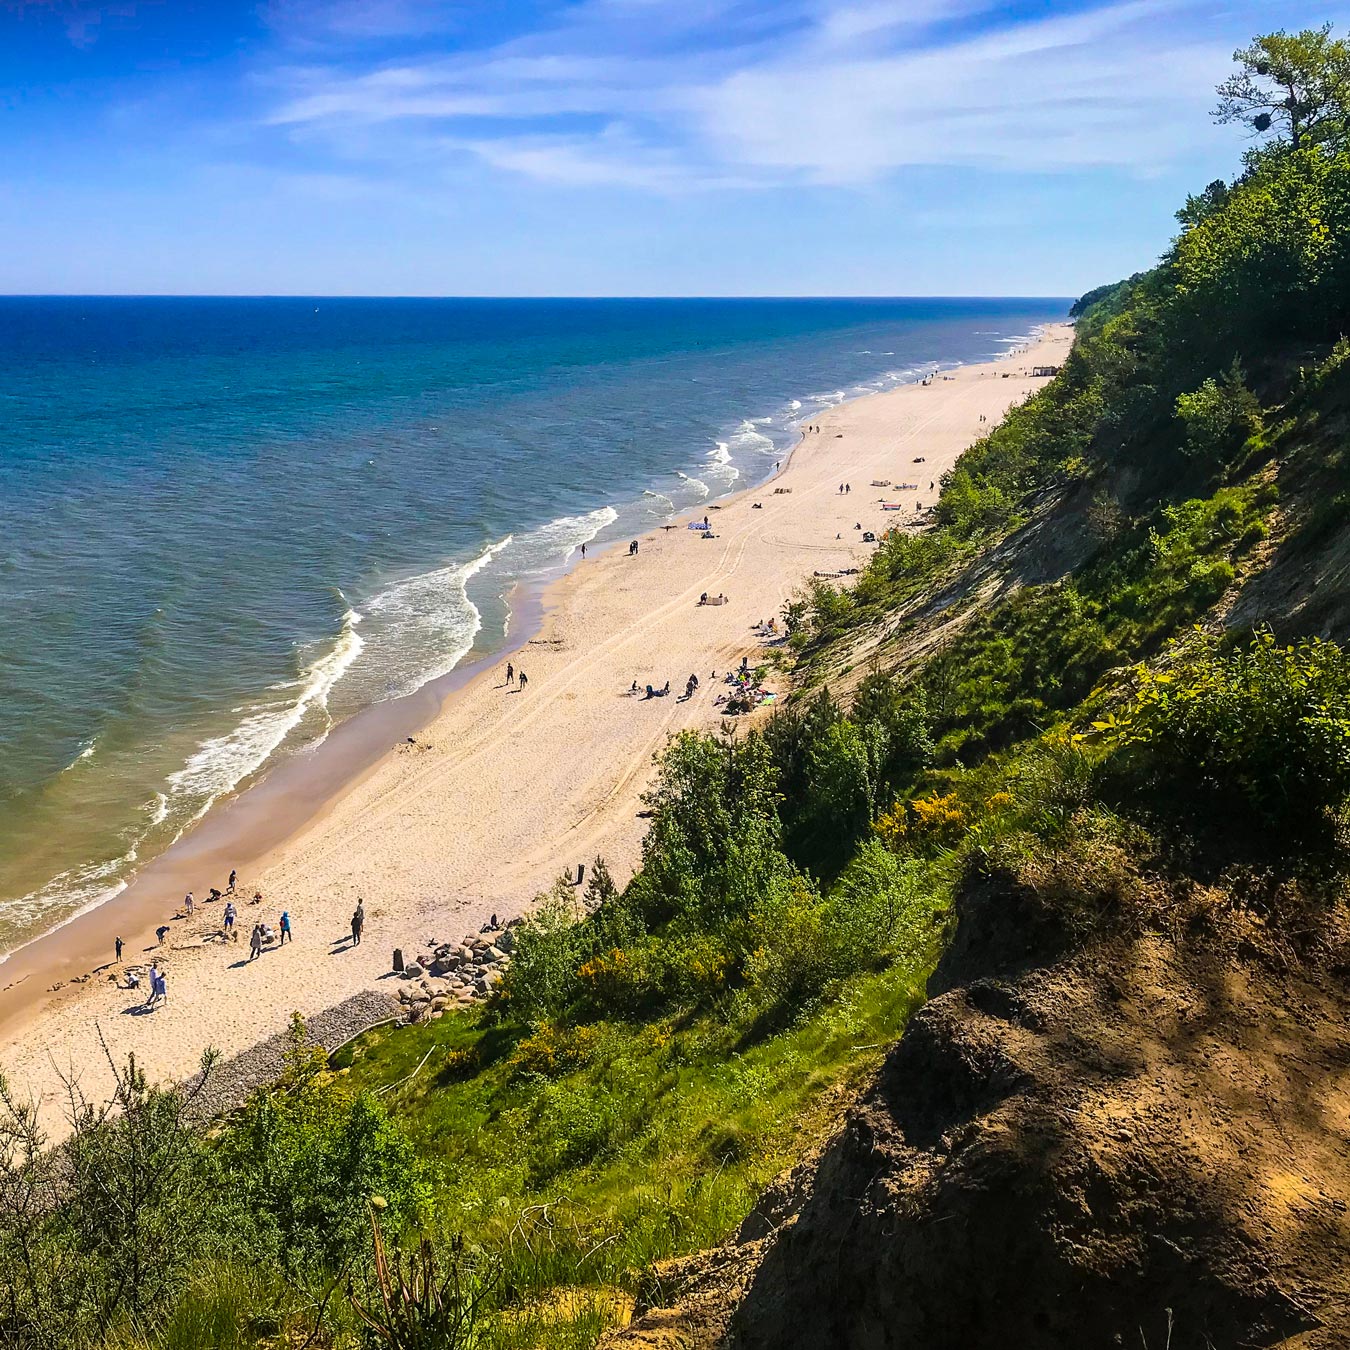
(1137, 1139)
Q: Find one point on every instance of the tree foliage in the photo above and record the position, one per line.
(1296, 86)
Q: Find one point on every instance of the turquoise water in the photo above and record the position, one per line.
(226, 525)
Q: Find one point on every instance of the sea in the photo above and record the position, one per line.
(226, 525)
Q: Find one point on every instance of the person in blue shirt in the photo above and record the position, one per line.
(285, 928)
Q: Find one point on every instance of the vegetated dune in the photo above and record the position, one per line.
(1131, 1135)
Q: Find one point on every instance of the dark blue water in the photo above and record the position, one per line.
(226, 524)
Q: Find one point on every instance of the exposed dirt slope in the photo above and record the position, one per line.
(1139, 1140)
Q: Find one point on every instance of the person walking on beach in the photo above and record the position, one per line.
(255, 942)
(510, 672)
(117, 947)
(234, 876)
(583, 550)
(285, 928)
(229, 919)
(157, 987)
(189, 903)
(358, 923)
(523, 681)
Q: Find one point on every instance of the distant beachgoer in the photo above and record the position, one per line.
(189, 903)
(214, 894)
(229, 918)
(153, 997)
(510, 672)
(583, 550)
(848, 487)
(255, 942)
(524, 680)
(234, 876)
(257, 898)
(285, 927)
(358, 923)
(117, 947)
(162, 932)
(492, 923)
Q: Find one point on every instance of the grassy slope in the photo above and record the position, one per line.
(588, 1154)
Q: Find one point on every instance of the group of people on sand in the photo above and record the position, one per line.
(262, 934)
(845, 489)
(690, 688)
(516, 677)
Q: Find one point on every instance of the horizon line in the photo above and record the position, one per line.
(300, 295)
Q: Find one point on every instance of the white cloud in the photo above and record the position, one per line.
(715, 93)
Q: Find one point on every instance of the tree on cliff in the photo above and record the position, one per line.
(1297, 85)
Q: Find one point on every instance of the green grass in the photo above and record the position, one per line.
(633, 1142)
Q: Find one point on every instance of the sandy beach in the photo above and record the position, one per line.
(500, 789)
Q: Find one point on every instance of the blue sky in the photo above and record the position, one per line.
(605, 147)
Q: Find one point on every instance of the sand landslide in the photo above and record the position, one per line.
(1123, 1139)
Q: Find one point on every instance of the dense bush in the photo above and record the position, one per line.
(304, 1159)
(1252, 742)
(1219, 417)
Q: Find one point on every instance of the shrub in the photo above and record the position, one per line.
(1219, 417)
(304, 1159)
(796, 950)
(541, 982)
(1253, 742)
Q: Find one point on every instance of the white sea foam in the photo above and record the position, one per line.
(421, 627)
(696, 483)
(794, 405)
(86, 750)
(555, 542)
(754, 441)
(75, 891)
(220, 763)
(719, 461)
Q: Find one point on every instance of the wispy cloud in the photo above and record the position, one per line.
(668, 96)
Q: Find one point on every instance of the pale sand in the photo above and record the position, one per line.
(516, 787)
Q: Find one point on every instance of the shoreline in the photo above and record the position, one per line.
(309, 833)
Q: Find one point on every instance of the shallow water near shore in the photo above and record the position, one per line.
(227, 525)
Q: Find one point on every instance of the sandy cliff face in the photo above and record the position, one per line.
(1131, 1138)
